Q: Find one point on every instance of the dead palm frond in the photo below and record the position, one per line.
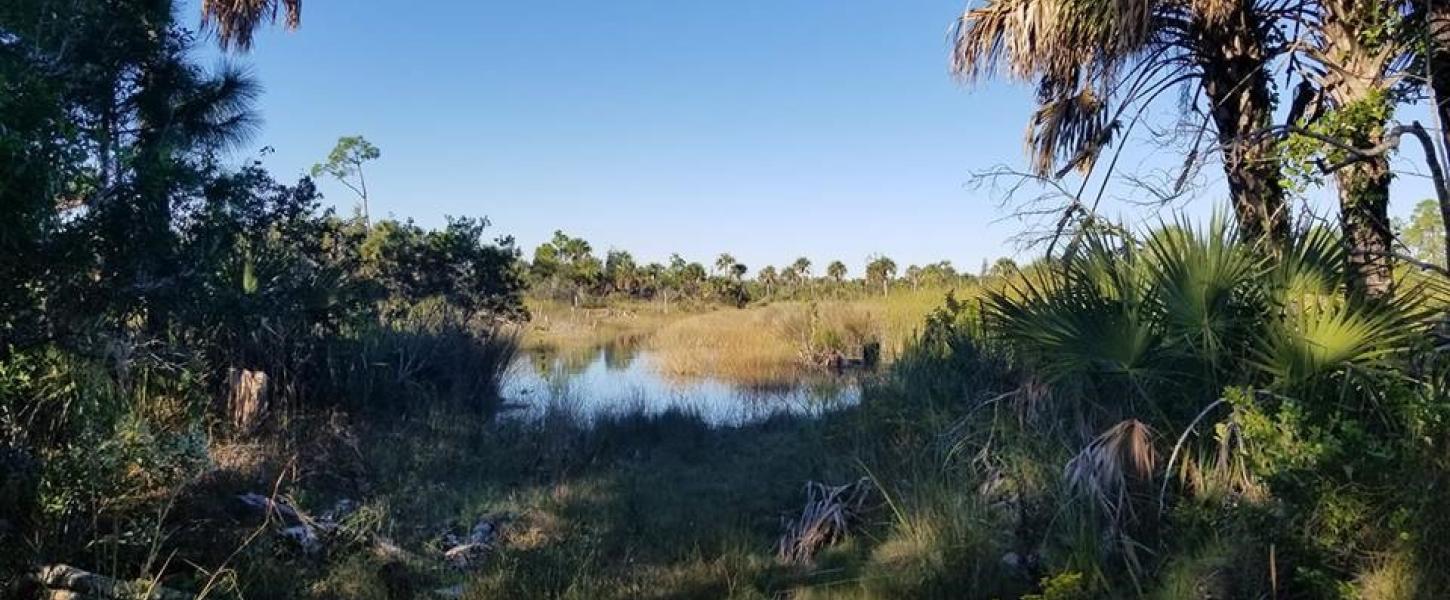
(1096, 61)
(1114, 467)
(236, 21)
(1084, 55)
(828, 516)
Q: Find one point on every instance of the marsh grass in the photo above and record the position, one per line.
(769, 344)
(746, 346)
(559, 327)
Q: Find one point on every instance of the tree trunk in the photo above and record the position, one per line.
(1364, 200)
(1232, 59)
(1355, 82)
(1438, 21)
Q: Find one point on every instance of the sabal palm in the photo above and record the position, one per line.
(1092, 59)
(723, 262)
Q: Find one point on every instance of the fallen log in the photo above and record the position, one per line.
(296, 526)
(466, 552)
(64, 581)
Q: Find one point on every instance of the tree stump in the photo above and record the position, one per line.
(870, 354)
(247, 397)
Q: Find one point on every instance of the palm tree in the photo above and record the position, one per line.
(1003, 267)
(802, 267)
(767, 277)
(723, 262)
(913, 274)
(620, 271)
(1095, 59)
(235, 21)
(802, 273)
(836, 271)
(881, 270)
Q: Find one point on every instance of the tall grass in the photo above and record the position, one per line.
(562, 327)
(432, 353)
(748, 346)
(98, 441)
(780, 341)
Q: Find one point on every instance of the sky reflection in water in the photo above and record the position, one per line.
(621, 377)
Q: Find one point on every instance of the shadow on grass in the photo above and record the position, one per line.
(630, 505)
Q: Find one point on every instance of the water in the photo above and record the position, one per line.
(622, 377)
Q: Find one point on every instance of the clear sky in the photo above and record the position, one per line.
(767, 128)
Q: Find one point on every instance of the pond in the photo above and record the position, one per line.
(622, 378)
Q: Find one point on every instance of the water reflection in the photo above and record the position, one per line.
(621, 377)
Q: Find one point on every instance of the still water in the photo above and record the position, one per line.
(623, 377)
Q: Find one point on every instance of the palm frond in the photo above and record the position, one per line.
(1112, 466)
(1199, 278)
(1070, 126)
(1317, 334)
(1083, 320)
(235, 21)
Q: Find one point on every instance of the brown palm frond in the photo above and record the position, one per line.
(828, 516)
(1072, 127)
(1077, 51)
(1115, 464)
(236, 20)
(1216, 11)
(1002, 31)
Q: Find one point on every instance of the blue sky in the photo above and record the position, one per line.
(767, 128)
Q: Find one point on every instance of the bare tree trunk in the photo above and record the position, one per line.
(1235, 81)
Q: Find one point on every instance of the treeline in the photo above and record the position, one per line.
(568, 269)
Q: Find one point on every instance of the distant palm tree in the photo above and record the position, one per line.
(767, 277)
(836, 271)
(1093, 60)
(881, 270)
(913, 274)
(236, 21)
(801, 273)
(802, 267)
(723, 262)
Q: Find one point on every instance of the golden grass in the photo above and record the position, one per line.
(559, 326)
(1390, 577)
(764, 345)
(746, 345)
